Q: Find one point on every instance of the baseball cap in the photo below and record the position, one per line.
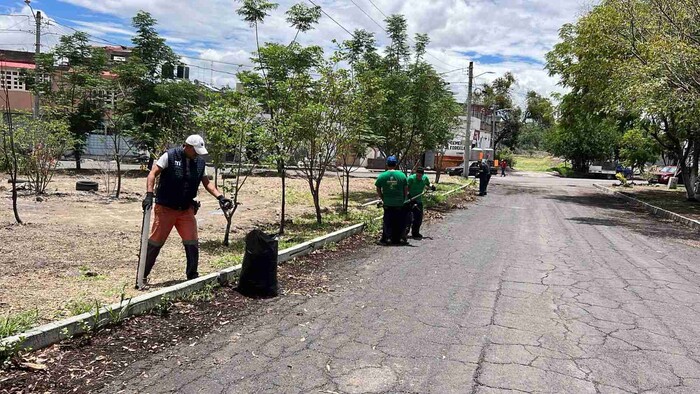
(197, 142)
(420, 170)
(392, 160)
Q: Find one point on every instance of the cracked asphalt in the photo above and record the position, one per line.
(545, 285)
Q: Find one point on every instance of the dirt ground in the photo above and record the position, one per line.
(80, 247)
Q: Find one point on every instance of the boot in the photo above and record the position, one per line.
(152, 252)
(192, 254)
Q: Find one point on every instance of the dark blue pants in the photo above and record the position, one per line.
(415, 218)
(394, 224)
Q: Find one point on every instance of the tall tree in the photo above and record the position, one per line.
(76, 88)
(282, 81)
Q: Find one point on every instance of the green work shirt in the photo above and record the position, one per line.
(393, 184)
(416, 187)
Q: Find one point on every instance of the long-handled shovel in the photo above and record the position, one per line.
(145, 226)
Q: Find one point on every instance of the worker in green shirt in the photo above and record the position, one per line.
(392, 190)
(418, 183)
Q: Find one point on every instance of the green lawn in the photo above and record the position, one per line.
(539, 163)
(536, 163)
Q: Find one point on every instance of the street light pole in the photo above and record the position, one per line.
(37, 53)
(468, 132)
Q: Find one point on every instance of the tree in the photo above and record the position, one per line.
(10, 155)
(42, 143)
(639, 57)
(74, 90)
(281, 87)
(637, 149)
(158, 106)
(497, 96)
(230, 119)
(582, 136)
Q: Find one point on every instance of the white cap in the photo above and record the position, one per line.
(197, 142)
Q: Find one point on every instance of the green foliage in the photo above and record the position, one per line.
(582, 136)
(41, 144)
(636, 149)
(78, 307)
(14, 324)
(508, 155)
(638, 60)
(205, 294)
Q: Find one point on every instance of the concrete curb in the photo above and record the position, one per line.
(48, 334)
(694, 224)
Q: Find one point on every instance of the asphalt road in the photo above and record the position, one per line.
(543, 286)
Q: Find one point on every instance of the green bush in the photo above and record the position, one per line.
(508, 155)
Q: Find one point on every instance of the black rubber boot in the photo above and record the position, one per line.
(192, 254)
(152, 253)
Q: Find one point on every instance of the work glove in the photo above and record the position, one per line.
(432, 188)
(147, 201)
(225, 203)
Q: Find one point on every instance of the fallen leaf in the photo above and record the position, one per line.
(34, 366)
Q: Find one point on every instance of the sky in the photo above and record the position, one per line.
(497, 35)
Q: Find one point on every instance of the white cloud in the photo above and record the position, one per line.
(509, 35)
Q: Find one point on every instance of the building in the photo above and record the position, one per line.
(13, 67)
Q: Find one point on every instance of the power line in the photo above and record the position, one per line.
(331, 18)
(368, 15)
(378, 9)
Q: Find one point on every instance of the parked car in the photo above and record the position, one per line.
(662, 176)
(473, 169)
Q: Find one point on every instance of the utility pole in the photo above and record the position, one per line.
(468, 132)
(37, 53)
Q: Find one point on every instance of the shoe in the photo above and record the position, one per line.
(481, 194)
(417, 236)
(383, 242)
(403, 241)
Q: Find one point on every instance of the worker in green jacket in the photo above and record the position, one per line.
(392, 190)
(418, 183)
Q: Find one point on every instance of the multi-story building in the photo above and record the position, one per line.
(13, 66)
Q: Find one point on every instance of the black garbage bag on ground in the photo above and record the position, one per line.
(259, 271)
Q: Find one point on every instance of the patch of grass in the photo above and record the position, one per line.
(88, 274)
(205, 294)
(228, 260)
(564, 170)
(17, 323)
(78, 307)
(536, 163)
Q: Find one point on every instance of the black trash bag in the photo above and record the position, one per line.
(259, 271)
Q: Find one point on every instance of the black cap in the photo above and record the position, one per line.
(420, 170)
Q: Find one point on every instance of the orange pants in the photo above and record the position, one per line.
(167, 218)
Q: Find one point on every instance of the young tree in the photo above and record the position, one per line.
(73, 91)
(637, 149)
(282, 82)
(10, 155)
(42, 143)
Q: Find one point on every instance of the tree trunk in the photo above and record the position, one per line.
(14, 199)
(317, 206)
(346, 199)
(77, 159)
(438, 168)
(284, 199)
(216, 177)
(119, 176)
(690, 174)
(229, 219)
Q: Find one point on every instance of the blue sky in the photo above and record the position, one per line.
(498, 35)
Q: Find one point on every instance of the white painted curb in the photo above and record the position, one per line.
(48, 334)
(653, 209)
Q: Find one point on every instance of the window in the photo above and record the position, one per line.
(12, 79)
